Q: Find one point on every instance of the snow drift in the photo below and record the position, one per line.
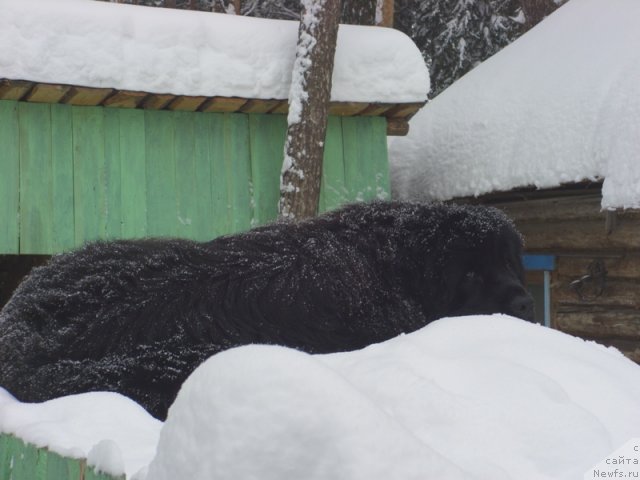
(157, 50)
(560, 104)
(486, 397)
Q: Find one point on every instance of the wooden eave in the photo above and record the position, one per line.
(397, 114)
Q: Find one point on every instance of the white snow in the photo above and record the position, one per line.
(102, 44)
(560, 104)
(488, 397)
(115, 433)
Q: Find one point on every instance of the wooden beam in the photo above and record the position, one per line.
(157, 101)
(259, 106)
(87, 96)
(404, 110)
(397, 114)
(47, 93)
(223, 104)
(376, 109)
(125, 99)
(14, 89)
(282, 108)
(186, 103)
(346, 109)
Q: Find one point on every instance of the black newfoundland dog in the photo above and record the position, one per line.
(138, 316)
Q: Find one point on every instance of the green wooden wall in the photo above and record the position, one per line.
(72, 174)
(24, 461)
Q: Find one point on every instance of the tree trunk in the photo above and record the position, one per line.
(384, 13)
(308, 109)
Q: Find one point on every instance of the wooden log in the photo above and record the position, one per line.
(617, 264)
(549, 209)
(14, 89)
(599, 323)
(576, 235)
(125, 99)
(186, 103)
(47, 93)
(397, 127)
(86, 96)
(157, 101)
(223, 104)
(616, 293)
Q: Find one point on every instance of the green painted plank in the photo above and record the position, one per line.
(203, 228)
(333, 191)
(36, 206)
(10, 177)
(62, 468)
(112, 206)
(220, 189)
(133, 173)
(161, 185)
(366, 167)
(238, 170)
(380, 158)
(6, 455)
(112, 202)
(358, 140)
(185, 172)
(29, 462)
(89, 173)
(267, 136)
(62, 178)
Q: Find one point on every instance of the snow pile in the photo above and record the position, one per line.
(487, 397)
(116, 434)
(102, 44)
(560, 104)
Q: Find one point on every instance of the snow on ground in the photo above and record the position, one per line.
(102, 44)
(116, 433)
(488, 397)
(560, 104)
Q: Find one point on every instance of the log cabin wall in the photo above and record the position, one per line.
(595, 287)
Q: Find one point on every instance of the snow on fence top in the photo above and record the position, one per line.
(126, 47)
(561, 104)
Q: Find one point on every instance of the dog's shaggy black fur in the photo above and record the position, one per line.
(138, 316)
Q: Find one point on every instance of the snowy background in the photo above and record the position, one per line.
(488, 397)
(99, 44)
(560, 104)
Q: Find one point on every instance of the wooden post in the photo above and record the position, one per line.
(385, 19)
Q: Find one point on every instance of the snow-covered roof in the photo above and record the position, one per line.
(134, 48)
(468, 397)
(561, 104)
